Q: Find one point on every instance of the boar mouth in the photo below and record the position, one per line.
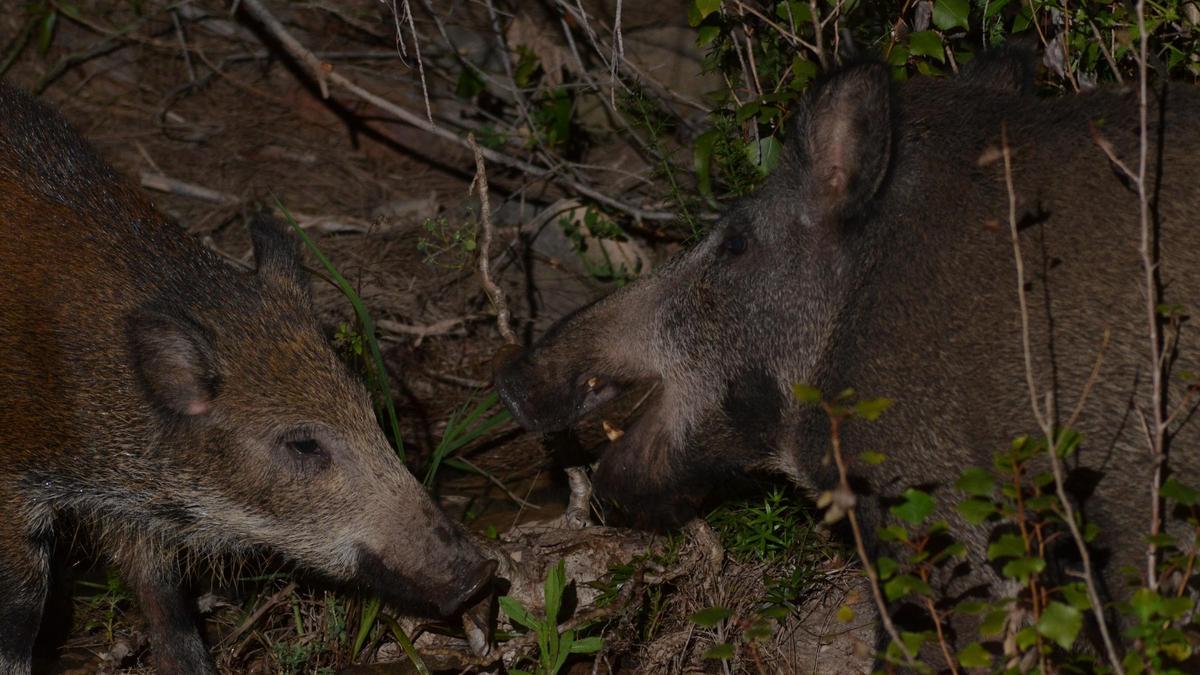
(543, 405)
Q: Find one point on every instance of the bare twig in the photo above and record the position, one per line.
(860, 546)
(162, 183)
(493, 290)
(1045, 416)
(183, 46)
(249, 621)
(326, 75)
(1150, 279)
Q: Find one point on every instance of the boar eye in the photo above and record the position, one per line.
(735, 244)
(306, 446)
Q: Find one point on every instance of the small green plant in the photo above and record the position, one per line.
(104, 605)
(768, 528)
(597, 227)
(553, 646)
(446, 246)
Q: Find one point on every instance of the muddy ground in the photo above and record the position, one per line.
(204, 110)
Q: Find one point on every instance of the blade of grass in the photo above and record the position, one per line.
(379, 377)
(370, 612)
(407, 646)
(460, 432)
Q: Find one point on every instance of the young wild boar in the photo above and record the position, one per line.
(878, 257)
(177, 407)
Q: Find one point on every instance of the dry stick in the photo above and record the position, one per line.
(1112, 63)
(496, 294)
(412, 28)
(326, 75)
(1045, 420)
(817, 30)
(578, 506)
(859, 546)
(1147, 251)
(275, 599)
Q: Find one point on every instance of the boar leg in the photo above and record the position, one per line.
(175, 642)
(24, 579)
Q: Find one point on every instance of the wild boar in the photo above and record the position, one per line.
(179, 408)
(878, 257)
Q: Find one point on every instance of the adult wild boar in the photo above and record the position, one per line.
(179, 408)
(878, 257)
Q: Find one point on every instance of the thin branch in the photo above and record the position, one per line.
(1150, 279)
(326, 75)
(493, 290)
(1045, 417)
(859, 544)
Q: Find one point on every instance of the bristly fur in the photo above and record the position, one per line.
(866, 262)
(200, 417)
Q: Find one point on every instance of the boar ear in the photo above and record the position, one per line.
(846, 130)
(173, 359)
(276, 250)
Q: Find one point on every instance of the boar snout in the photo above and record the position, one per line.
(446, 585)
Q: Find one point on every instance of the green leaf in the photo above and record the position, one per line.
(976, 482)
(514, 610)
(705, 34)
(803, 71)
(1179, 493)
(914, 641)
(764, 154)
(722, 651)
(794, 11)
(700, 10)
(975, 656)
(702, 154)
(917, 506)
(993, 624)
(873, 458)
(845, 614)
(971, 607)
(1006, 546)
(948, 14)
(885, 567)
(975, 510)
(1026, 638)
(871, 410)
(926, 43)
(587, 645)
(903, 585)
(892, 533)
(1060, 623)
(1022, 568)
(806, 394)
(1076, 595)
(710, 617)
(556, 583)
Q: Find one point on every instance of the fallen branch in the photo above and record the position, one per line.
(325, 75)
(496, 294)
